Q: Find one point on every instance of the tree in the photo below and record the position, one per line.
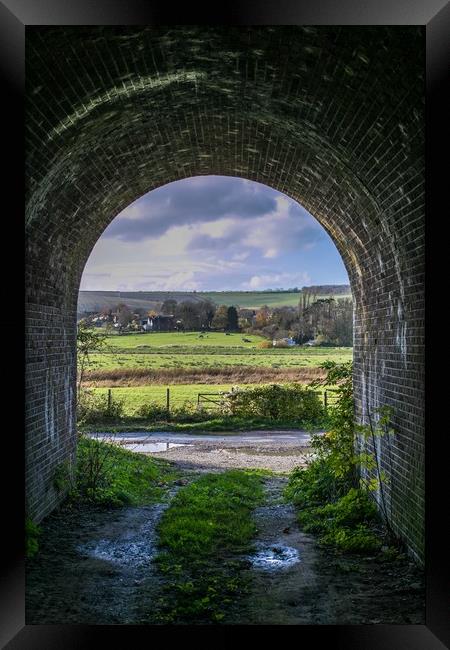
(169, 306)
(307, 297)
(262, 318)
(206, 311)
(88, 342)
(232, 319)
(187, 312)
(220, 320)
(124, 315)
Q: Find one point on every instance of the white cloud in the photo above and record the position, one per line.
(275, 280)
(187, 247)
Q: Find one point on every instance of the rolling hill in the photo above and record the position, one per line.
(93, 301)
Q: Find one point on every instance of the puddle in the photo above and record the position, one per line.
(273, 558)
(125, 554)
(152, 446)
(135, 548)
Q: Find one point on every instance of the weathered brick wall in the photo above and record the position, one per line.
(331, 116)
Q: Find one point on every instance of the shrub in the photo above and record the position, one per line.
(359, 540)
(110, 475)
(62, 476)
(336, 447)
(152, 411)
(93, 408)
(283, 403)
(314, 485)
(348, 524)
(188, 412)
(94, 467)
(330, 505)
(185, 413)
(32, 532)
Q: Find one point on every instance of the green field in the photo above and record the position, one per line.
(254, 300)
(138, 368)
(211, 351)
(137, 396)
(150, 340)
(156, 360)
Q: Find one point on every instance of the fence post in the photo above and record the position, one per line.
(325, 400)
(168, 400)
(109, 400)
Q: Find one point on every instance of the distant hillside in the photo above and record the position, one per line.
(329, 289)
(94, 301)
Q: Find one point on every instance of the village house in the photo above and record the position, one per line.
(160, 323)
(286, 341)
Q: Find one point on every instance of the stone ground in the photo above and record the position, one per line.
(95, 566)
(279, 451)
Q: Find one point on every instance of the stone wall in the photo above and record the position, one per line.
(331, 116)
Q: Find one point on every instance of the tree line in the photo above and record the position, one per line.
(189, 315)
(325, 320)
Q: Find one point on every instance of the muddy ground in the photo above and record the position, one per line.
(95, 566)
(302, 584)
(279, 451)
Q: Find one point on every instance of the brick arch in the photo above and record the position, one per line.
(332, 117)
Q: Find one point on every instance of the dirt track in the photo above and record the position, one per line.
(95, 566)
(279, 451)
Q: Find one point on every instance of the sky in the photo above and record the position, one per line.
(213, 233)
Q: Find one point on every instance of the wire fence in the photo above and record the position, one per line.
(173, 397)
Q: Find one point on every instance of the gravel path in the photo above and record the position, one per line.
(279, 451)
(95, 566)
(220, 456)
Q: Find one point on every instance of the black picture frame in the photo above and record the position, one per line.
(15, 16)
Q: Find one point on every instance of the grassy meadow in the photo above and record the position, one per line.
(167, 350)
(138, 368)
(174, 340)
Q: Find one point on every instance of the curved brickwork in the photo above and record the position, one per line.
(331, 116)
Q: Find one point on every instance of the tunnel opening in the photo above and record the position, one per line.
(195, 312)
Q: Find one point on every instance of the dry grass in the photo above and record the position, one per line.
(222, 375)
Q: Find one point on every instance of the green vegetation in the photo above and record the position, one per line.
(183, 339)
(188, 357)
(108, 475)
(254, 299)
(258, 406)
(62, 476)
(88, 342)
(351, 523)
(144, 365)
(332, 501)
(32, 532)
(200, 535)
(277, 403)
(136, 397)
(94, 407)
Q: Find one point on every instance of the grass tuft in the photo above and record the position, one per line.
(206, 527)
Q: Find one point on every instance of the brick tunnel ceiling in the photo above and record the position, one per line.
(332, 117)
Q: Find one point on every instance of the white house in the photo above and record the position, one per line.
(288, 340)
